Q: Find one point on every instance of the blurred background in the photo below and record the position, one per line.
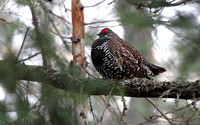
(37, 32)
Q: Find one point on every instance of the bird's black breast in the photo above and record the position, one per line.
(99, 55)
(98, 51)
(99, 42)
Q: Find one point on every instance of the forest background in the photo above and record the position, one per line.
(46, 74)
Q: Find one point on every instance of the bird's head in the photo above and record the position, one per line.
(106, 32)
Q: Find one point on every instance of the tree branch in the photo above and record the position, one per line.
(95, 4)
(106, 21)
(136, 88)
(158, 4)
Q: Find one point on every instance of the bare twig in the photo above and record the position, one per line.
(59, 34)
(169, 112)
(159, 110)
(59, 17)
(3, 20)
(66, 9)
(22, 43)
(112, 111)
(91, 109)
(110, 94)
(106, 21)
(111, 2)
(29, 57)
(28, 90)
(101, 118)
(94, 4)
(82, 114)
(5, 5)
(114, 100)
(7, 47)
(105, 26)
(124, 109)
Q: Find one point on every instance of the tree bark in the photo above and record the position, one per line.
(134, 88)
(78, 45)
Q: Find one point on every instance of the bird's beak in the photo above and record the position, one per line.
(98, 34)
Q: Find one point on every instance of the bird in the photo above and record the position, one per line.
(116, 59)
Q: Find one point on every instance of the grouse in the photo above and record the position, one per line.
(116, 59)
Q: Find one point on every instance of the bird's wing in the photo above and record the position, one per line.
(151, 69)
(129, 60)
(125, 60)
(119, 51)
(133, 51)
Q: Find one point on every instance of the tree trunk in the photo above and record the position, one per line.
(78, 45)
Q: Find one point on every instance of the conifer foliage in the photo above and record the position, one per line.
(46, 74)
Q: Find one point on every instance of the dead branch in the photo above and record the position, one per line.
(94, 4)
(159, 110)
(106, 21)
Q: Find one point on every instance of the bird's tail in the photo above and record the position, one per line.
(157, 70)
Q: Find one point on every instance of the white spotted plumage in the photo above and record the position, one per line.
(114, 58)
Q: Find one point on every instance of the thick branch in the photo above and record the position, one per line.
(136, 88)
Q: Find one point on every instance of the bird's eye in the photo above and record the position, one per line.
(104, 31)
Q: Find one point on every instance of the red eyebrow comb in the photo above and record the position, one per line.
(104, 31)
